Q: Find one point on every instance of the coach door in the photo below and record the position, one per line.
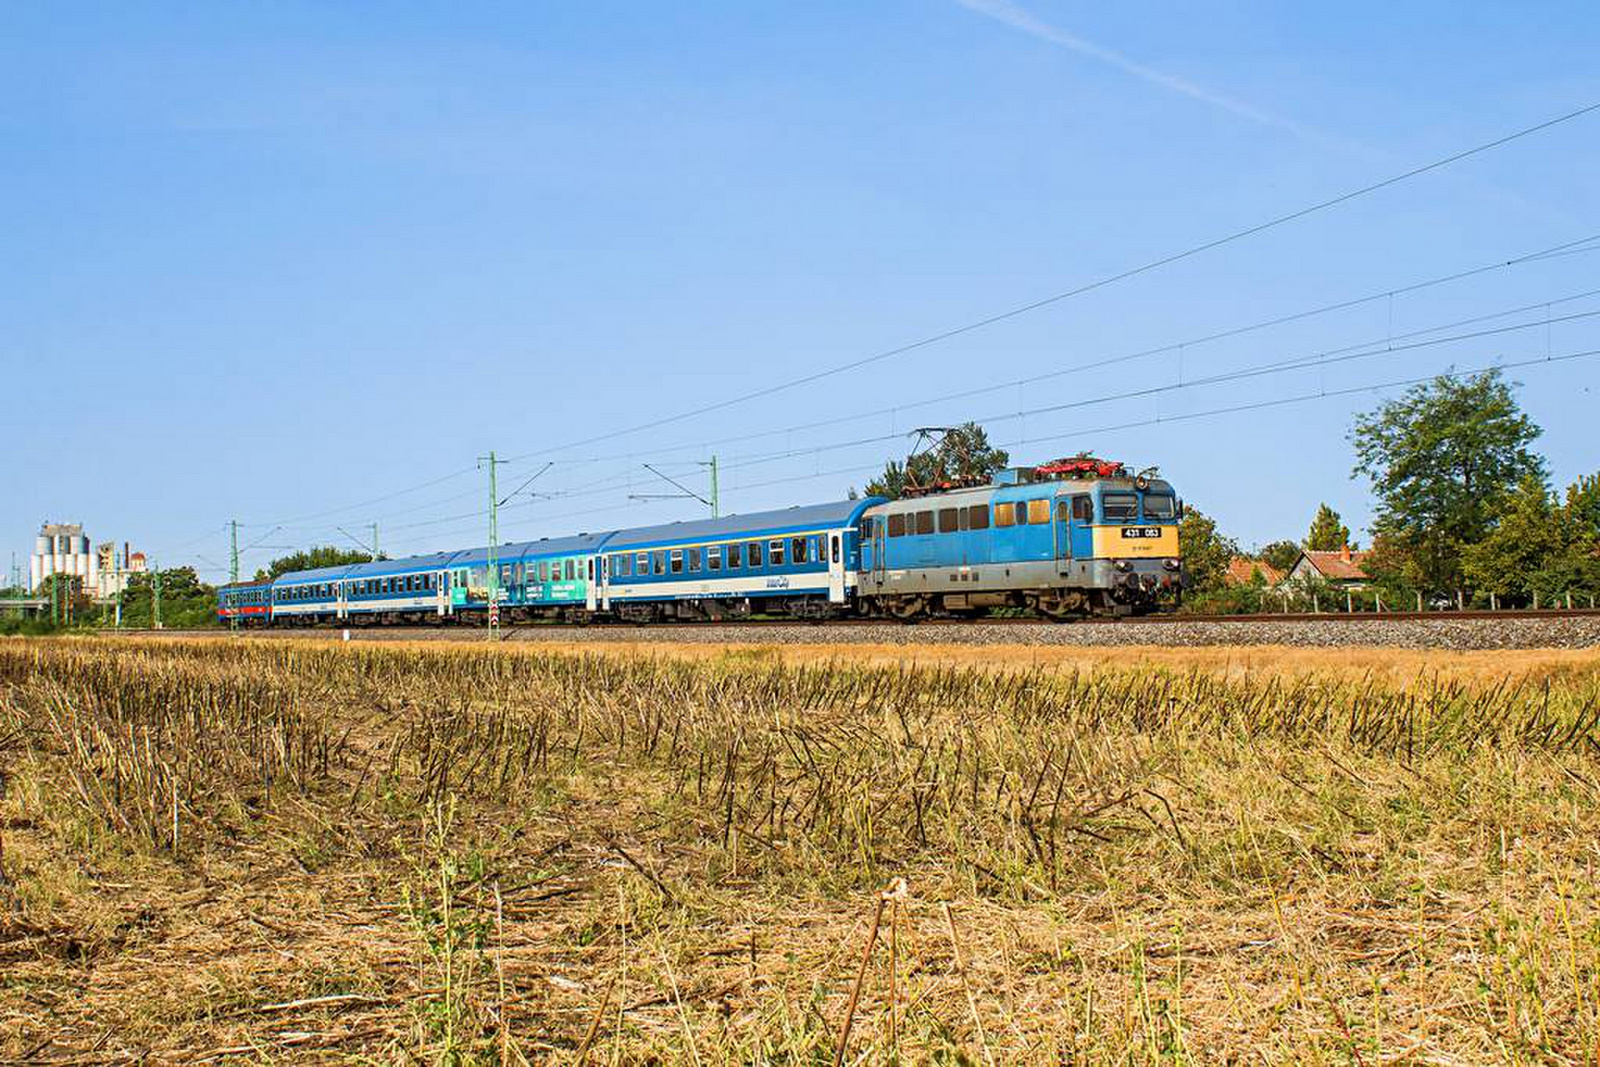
(879, 549)
(1074, 529)
(605, 582)
(343, 603)
(592, 586)
(835, 550)
(441, 593)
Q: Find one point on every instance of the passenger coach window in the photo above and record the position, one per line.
(797, 550)
(660, 564)
(677, 563)
(1158, 506)
(897, 525)
(752, 553)
(978, 517)
(572, 571)
(1039, 512)
(924, 522)
(713, 559)
(949, 520)
(694, 559)
(775, 553)
(733, 557)
(1119, 507)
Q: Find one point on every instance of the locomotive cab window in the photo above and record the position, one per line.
(1082, 509)
(1120, 507)
(1159, 507)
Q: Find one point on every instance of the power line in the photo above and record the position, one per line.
(1080, 290)
(1564, 248)
(1157, 420)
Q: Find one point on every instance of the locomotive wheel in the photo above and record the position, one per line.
(907, 609)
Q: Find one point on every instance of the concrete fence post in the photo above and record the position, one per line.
(1349, 603)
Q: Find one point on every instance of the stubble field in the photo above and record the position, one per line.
(223, 851)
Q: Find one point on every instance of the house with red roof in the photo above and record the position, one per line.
(1344, 568)
(1242, 570)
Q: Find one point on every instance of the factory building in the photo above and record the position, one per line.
(63, 548)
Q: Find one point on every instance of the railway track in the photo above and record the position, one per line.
(643, 630)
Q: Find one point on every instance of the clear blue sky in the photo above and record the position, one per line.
(275, 261)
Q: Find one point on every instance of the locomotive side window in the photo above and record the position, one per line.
(924, 522)
(1120, 507)
(1039, 512)
(949, 521)
(897, 525)
(978, 517)
(1004, 513)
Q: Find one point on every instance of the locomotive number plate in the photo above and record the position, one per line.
(1141, 531)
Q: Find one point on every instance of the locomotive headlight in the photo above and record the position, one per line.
(1123, 565)
(1172, 564)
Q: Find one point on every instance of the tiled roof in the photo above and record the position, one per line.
(1241, 571)
(1337, 566)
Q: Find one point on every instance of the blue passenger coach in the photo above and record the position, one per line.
(800, 561)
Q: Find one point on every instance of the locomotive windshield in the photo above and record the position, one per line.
(1159, 506)
(1120, 507)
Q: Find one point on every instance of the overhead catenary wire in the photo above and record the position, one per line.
(1578, 246)
(1088, 287)
(1139, 423)
(1564, 248)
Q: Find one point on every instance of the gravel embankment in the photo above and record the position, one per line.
(1456, 634)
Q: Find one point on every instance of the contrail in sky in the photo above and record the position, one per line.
(1018, 19)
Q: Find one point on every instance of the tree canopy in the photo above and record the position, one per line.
(1327, 533)
(1442, 459)
(1540, 547)
(964, 453)
(1280, 555)
(1206, 552)
(311, 559)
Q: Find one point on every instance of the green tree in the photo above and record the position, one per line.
(1327, 533)
(1442, 459)
(311, 559)
(1526, 538)
(186, 601)
(964, 453)
(1541, 547)
(1281, 555)
(1205, 550)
